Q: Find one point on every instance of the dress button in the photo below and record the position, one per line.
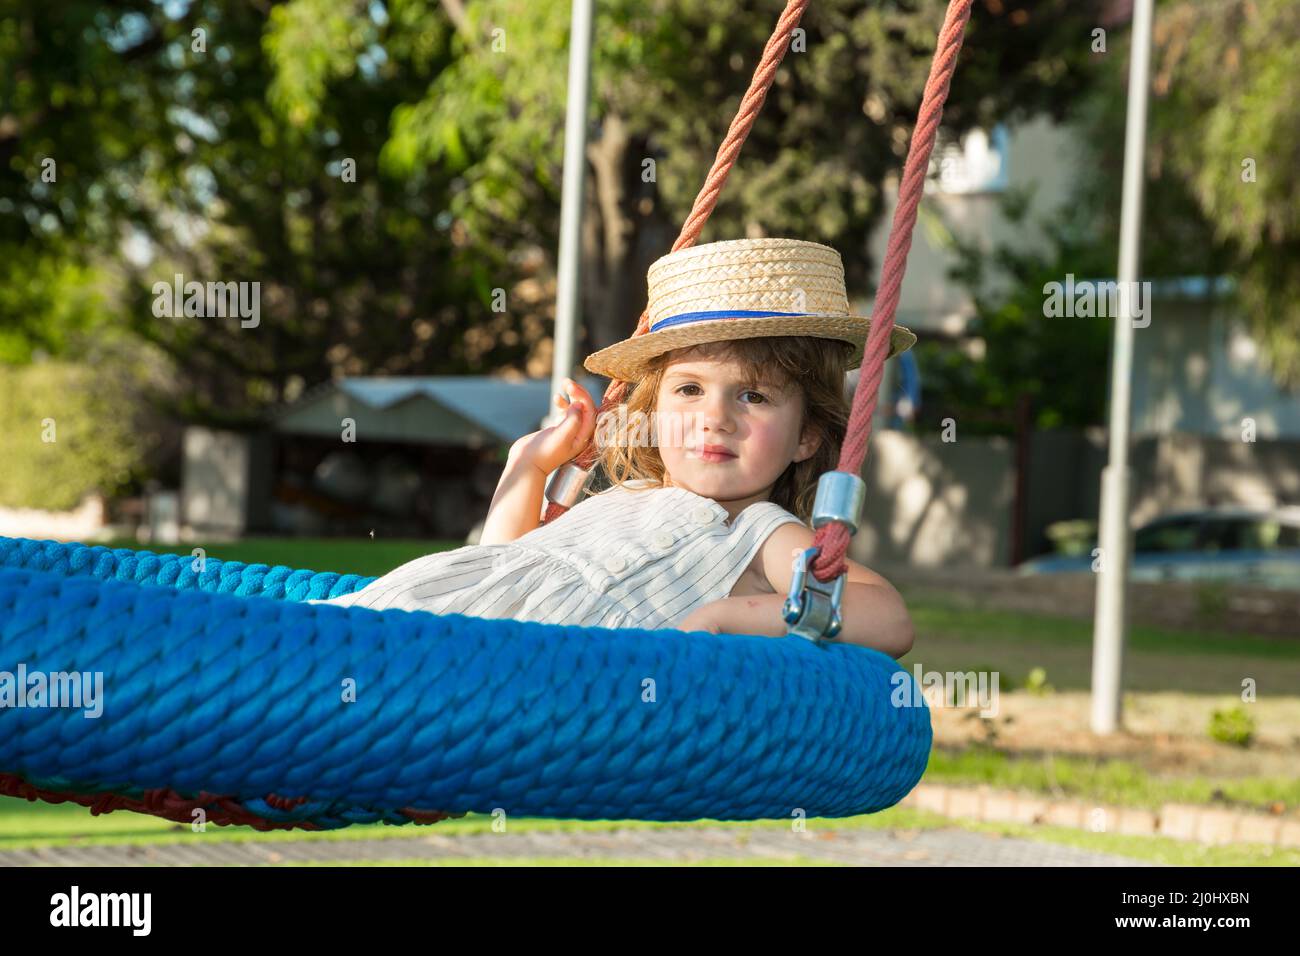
(702, 515)
(662, 540)
(614, 564)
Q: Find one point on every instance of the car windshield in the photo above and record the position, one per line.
(1259, 534)
(1176, 534)
(1216, 534)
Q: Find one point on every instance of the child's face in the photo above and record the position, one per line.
(722, 439)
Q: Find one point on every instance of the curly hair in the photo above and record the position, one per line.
(816, 366)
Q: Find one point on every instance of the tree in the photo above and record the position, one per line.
(1224, 139)
(168, 134)
(212, 135)
(667, 77)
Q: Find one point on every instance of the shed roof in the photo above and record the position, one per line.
(467, 410)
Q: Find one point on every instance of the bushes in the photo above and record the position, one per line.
(1232, 726)
(68, 430)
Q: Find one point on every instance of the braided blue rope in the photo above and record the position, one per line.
(217, 680)
(182, 572)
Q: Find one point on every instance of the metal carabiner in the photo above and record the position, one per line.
(812, 609)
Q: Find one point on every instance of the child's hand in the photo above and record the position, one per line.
(551, 447)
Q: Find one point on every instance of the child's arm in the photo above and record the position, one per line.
(516, 507)
(873, 612)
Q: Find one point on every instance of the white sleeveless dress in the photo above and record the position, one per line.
(640, 556)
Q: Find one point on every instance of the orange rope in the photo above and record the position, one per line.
(707, 198)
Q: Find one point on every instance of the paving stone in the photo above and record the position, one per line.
(1259, 829)
(1178, 820)
(1216, 827)
(854, 847)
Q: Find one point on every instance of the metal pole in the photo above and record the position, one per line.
(571, 199)
(1110, 622)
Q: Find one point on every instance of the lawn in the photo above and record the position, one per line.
(348, 555)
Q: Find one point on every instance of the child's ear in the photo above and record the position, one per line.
(808, 445)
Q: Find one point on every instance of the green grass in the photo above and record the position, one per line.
(1150, 849)
(1110, 781)
(346, 555)
(949, 638)
(933, 615)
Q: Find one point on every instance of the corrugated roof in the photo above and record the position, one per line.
(504, 408)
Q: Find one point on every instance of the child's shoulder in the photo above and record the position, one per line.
(632, 484)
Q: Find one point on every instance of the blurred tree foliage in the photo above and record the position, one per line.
(226, 162)
(70, 429)
(667, 77)
(1225, 90)
(1060, 365)
(1224, 147)
(169, 157)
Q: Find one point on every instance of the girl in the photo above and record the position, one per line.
(736, 408)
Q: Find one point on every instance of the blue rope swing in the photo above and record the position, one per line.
(221, 682)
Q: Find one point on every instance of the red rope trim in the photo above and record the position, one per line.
(168, 804)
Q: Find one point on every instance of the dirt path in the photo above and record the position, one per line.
(1164, 732)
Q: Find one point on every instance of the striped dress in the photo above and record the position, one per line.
(634, 556)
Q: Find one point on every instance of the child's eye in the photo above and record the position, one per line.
(759, 395)
(681, 390)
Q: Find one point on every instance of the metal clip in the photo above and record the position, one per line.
(812, 609)
(565, 485)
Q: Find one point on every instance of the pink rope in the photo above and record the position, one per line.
(833, 538)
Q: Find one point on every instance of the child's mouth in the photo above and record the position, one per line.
(713, 453)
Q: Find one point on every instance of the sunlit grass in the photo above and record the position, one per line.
(1112, 781)
(345, 555)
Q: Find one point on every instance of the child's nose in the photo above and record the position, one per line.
(716, 418)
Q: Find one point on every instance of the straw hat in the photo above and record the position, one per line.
(741, 289)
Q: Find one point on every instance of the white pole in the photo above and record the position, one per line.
(1110, 622)
(571, 199)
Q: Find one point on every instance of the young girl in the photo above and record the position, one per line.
(745, 406)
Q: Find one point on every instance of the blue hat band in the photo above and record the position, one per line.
(686, 318)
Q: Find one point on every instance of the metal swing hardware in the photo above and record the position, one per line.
(564, 486)
(812, 609)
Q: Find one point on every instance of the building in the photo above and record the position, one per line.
(406, 457)
(1210, 424)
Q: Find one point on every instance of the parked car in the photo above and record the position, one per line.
(1243, 545)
